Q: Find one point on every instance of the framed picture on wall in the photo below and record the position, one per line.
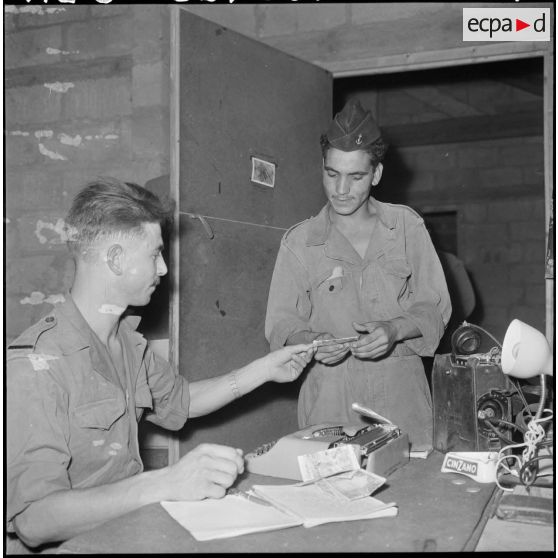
(263, 172)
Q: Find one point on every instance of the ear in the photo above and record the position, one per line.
(377, 174)
(114, 258)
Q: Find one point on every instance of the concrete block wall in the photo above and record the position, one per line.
(496, 188)
(86, 95)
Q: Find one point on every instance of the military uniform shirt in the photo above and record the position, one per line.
(72, 417)
(321, 284)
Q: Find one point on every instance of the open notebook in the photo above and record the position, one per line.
(277, 507)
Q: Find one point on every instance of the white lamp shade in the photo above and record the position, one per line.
(525, 352)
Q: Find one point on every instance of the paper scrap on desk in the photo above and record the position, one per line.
(420, 454)
(354, 484)
(329, 462)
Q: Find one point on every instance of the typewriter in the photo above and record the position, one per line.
(382, 447)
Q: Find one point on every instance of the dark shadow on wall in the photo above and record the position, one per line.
(396, 179)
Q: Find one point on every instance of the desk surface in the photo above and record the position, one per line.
(437, 512)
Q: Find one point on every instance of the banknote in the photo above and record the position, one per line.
(336, 341)
(322, 464)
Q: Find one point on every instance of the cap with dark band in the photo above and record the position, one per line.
(353, 128)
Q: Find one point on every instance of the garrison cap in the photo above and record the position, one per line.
(353, 128)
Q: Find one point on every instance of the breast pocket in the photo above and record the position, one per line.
(330, 284)
(100, 414)
(396, 273)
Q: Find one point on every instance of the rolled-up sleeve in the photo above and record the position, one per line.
(430, 306)
(170, 393)
(37, 430)
(288, 306)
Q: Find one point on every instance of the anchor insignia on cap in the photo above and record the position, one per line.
(359, 139)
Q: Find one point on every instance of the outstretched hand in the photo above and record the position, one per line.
(286, 364)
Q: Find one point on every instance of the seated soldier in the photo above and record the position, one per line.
(79, 380)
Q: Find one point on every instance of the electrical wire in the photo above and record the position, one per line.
(497, 432)
(533, 440)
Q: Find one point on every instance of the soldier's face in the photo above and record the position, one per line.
(143, 265)
(348, 177)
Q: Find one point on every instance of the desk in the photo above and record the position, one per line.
(435, 514)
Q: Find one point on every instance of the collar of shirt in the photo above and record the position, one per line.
(76, 332)
(320, 226)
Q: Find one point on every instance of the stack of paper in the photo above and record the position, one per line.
(314, 506)
(284, 506)
(228, 517)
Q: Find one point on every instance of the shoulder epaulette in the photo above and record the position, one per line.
(406, 208)
(28, 339)
(295, 226)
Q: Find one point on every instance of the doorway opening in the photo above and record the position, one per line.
(467, 152)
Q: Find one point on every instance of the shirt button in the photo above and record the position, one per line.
(49, 319)
(331, 287)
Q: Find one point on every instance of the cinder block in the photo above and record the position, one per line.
(467, 180)
(536, 294)
(151, 30)
(500, 177)
(39, 232)
(489, 276)
(39, 186)
(150, 84)
(511, 295)
(29, 47)
(527, 230)
(276, 20)
(423, 181)
(477, 157)
(473, 213)
(535, 251)
(481, 232)
(35, 105)
(35, 16)
(518, 209)
(10, 19)
(100, 37)
(390, 11)
(515, 252)
(11, 232)
(25, 275)
(21, 150)
(110, 10)
(523, 274)
(533, 175)
(85, 144)
(539, 211)
(241, 18)
(14, 195)
(318, 17)
(531, 154)
(436, 158)
(150, 133)
(99, 99)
